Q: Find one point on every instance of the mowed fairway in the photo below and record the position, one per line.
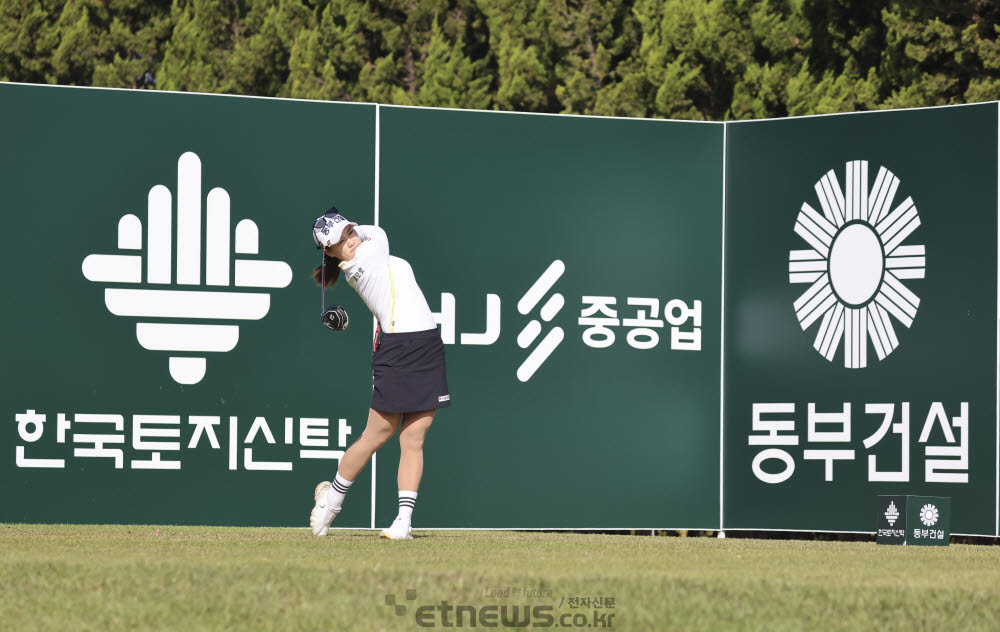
(192, 578)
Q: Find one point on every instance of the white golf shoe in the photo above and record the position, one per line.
(400, 530)
(322, 514)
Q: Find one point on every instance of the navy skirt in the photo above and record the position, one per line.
(409, 372)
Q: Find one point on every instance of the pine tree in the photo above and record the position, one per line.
(523, 81)
(258, 62)
(195, 57)
(689, 54)
(325, 62)
(587, 39)
(136, 34)
(941, 52)
(82, 42)
(27, 39)
(773, 60)
(448, 78)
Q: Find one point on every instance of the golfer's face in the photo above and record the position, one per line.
(344, 249)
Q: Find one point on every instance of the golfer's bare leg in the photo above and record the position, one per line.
(380, 427)
(411, 448)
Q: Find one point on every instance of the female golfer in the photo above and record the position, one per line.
(407, 363)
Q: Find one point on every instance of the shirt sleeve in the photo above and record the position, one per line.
(374, 244)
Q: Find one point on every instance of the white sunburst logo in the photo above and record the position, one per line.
(856, 264)
(929, 515)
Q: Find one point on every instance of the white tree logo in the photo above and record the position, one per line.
(891, 514)
(856, 264)
(192, 339)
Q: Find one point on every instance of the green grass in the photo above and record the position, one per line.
(193, 578)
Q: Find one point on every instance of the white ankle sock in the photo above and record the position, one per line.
(406, 502)
(338, 489)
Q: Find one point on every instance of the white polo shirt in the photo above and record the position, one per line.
(386, 284)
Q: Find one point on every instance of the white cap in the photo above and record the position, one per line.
(328, 228)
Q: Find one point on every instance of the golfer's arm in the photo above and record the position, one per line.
(379, 242)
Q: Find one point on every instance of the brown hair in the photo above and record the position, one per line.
(332, 271)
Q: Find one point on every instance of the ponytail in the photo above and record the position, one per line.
(332, 271)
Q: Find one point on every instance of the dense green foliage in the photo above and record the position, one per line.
(692, 59)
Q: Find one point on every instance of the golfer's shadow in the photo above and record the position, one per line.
(368, 535)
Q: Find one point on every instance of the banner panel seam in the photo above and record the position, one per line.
(722, 344)
(378, 155)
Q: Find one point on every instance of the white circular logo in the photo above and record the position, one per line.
(856, 264)
(929, 515)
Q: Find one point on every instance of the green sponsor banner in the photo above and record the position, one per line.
(861, 294)
(168, 366)
(164, 359)
(575, 265)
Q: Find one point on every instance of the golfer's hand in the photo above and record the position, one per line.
(335, 318)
